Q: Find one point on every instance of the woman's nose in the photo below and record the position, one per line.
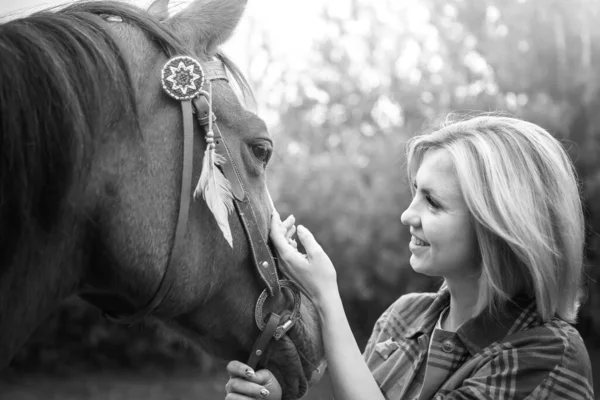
(410, 217)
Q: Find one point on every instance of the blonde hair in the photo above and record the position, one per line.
(521, 189)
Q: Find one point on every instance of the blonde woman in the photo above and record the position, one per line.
(496, 212)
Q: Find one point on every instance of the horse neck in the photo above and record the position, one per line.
(42, 274)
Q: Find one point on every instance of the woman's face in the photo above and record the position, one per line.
(443, 241)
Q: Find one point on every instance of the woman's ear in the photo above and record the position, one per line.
(160, 9)
(207, 24)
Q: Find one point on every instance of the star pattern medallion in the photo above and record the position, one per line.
(182, 77)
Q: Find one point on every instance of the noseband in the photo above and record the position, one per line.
(185, 83)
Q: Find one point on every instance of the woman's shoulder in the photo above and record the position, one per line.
(558, 336)
(555, 345)
(555, 334)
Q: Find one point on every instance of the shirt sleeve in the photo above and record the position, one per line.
(548, 364)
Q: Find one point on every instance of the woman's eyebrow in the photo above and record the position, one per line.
(426, 190)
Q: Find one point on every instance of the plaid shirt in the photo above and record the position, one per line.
(514, 356)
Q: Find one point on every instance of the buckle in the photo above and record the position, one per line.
(288, 319)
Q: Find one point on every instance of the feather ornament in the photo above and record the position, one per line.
(213, 185)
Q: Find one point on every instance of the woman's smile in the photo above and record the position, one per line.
(417, 241)
(417, 245)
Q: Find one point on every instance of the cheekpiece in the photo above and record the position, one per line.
(182, 77)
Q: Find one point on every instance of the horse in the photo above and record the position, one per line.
(96, 164)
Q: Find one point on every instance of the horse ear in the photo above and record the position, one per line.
(160, 9)
(208, 23)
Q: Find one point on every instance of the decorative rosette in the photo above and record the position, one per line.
(182, 77)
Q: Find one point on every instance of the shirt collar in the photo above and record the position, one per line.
(484, 329)
(426, 321)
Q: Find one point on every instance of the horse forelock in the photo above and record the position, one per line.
(239, 79)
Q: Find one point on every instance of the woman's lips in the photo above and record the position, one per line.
(417, 241)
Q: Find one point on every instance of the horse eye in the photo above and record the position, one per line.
(262, 152)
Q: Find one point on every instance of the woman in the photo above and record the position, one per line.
(496, 212)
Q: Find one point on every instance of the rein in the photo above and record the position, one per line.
(183, 79)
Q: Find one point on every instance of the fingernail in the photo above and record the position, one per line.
(249, 372)
(264, 392)
(301, 228)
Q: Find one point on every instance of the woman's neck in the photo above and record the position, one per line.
(463, 299)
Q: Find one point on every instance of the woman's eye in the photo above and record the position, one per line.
(431, 202)
(262, 152)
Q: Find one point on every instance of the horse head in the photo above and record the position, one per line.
(95, 205)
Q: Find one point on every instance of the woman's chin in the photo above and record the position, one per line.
(421, 266)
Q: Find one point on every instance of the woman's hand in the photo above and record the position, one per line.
(313, 273)
(245, 384)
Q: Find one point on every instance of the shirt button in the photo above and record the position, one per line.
(448, 346)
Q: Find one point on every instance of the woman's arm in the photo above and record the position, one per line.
(315, 275)
(350, 377)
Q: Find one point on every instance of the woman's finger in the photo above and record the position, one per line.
(265, 377)
(240, 370)
(286, 249)
(235, 396)
(277, 232)
(313, 248)
(276, 224)
(278, 235)
(289, 221)
(290, 232)
(246, 388)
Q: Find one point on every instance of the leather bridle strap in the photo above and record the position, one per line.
(258, 349)
(103, 299)
(262, 256)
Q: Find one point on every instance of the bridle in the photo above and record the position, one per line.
(197, 104)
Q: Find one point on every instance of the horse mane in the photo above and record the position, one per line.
(239, 79)
(61, 70)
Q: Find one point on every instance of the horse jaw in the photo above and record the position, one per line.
(205, 24)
